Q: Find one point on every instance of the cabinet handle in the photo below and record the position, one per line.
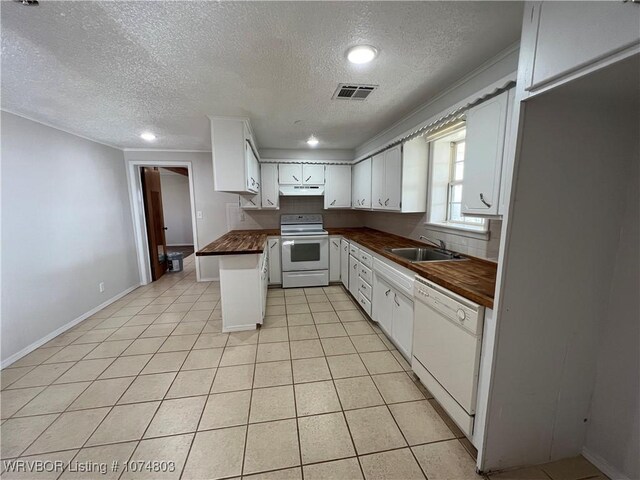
(362, 201)
(273, 245)
(345, 248)
(379, 202)
(333, 203)
(253, 182)
(270, 202)
(335, 244)
(308, 178)
(251, 202)
(386, 202)
(387, 292)
(395, 299)
(355, 266)
(484, 201)
(295, 178)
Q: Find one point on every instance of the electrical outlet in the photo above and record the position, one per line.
(101, 287)
(199, 214)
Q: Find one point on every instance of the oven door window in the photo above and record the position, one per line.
(305, 252)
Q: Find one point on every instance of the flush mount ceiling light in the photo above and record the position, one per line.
(312, 141)
(361, 54)
(148, 136)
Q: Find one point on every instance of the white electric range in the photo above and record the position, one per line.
(305, 251)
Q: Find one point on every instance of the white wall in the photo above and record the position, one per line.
(176, 207)
(212, 204)
(66, 227)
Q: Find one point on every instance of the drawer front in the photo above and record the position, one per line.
(365, 289)
(366, 273)
(366, 259)
(364, 303)
(353, 250)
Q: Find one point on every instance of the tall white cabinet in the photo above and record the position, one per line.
(361, 185)
(337, 189)
(386, 179)
(269, 186)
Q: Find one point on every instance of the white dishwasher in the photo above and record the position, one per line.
(447, 337)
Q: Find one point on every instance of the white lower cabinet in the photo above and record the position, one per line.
(402, 313)
(334, 258)
(381, 304)
(353, 276)
(344, 263)
(275, 268)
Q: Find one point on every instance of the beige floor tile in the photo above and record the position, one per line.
(275, 321)
(530, 473)
(328, 330)
(383, 338)
(179, 308)
(127, 311)
(13, 400)
(204, 358)
(128, 333)
(85, 370)
(210, 340)
(243, 338)
(325, 317)
(297, 300)
(343, 366)
(192, 382)
(420, 423)
(146, 388)
(48, 460)
(70, 430)
(397, 387)
(345, 469)
(345, 305)
(368, 343)
(324, 437)
(165, 362)
(275, 301)
(273, 352)
(317, 298)
(226, 410)
(299, 319)
(358, 328)
(126, 366)
(18, 433)
(306, 349)
(153, 309)
(54, 399)
(571, 469)
(176, 416)
(401, 360)
(394, 465)
(373, 430)
(270, 335)
(142, 320)
(239, 355)
(229, 379)
(321, 307)
(104, 454)
(286, 474)
(124, 423)
(36, 357)
(276, 310)
(189, 327)
(216, 454)
(71, 353)
(170, 449)
(273, 403)
(445, 460)
(272, 374)
(110, 349)
(310, 370)
(159, 330)
(296, 309)
(8, 376)
(170, 317)
(102, 393)
(115, 322)
(304, 332)
(338, 297)
(142, 346)
(42, 375)
(337, 346)
(263, 454)
(94, 336)
(316, 398)
(381, 362)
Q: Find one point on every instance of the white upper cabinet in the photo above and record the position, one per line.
(565, 40)
(290, 173)
(269, 186)
(485, 140)
(337, 191)
(377, 181)
(312, 174)
(361, 185)
(386, 179)
(235, 165)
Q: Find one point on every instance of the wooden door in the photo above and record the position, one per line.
(152, 195)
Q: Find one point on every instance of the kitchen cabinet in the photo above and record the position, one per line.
(233, 150)
(334, 258)
(300, 174)
(394, 313)
(361, 185)
(344, 263)
(485, 142)
(312, 174)
(353, 275)
(381, 304)
(250, 202)
(270, 193)
(337, 190)
(386, 179)
(275, 268)
(566, 40)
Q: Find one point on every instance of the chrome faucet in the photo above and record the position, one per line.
(439, 243)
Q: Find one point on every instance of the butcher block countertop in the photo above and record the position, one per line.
(474, 278)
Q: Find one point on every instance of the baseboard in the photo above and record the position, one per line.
(606, 468)
(38, 343)
(212, 279)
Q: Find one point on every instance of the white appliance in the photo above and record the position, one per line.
(447, 338)
(305, 251)
(301, 191)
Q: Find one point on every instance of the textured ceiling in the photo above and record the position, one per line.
(109, 70)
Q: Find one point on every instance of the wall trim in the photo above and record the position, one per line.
(38, 343)
(169, 150)
(608, 469)
(210, 279)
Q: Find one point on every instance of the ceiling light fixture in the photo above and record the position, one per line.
(313, 141)
(361, 54)
(148, 136)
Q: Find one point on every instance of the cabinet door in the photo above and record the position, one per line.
(337, 192)
(356, 189)
(312, 174)
(381, 308)
(344, 263)
(334, 259)
(251, 167)
(275, 270)
(353, 275)
(483, 156)
(269, 186)
(250, 202)
(402, 322)
(377, 182)
(362, 184)
(290, 174)
(392, 178)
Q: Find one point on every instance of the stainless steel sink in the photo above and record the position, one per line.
(417, 254)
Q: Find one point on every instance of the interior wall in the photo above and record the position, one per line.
(66, 227)
(176, 207)
(307, 154)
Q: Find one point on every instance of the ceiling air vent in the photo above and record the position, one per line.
(350, 91)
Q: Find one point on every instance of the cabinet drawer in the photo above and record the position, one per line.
(353, 250)
(364, 303)
(366, 258)
(366, 274)
(365, 288)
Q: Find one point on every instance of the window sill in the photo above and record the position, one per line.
(481, 233)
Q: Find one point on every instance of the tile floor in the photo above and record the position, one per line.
(317, 393)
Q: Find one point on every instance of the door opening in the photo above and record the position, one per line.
(154, 217)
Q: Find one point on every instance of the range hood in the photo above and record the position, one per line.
(301, 190)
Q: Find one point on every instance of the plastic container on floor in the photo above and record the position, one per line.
(174, 260)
